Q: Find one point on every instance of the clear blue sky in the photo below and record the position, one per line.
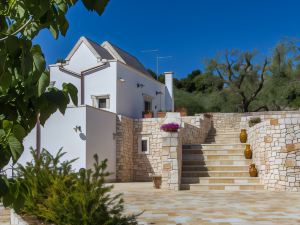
(189, 30)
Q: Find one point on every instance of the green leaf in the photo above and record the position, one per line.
(53, 31)
(38, 59)
(72, 91)
(8, 199)
(43, 83)
(3, 186)
(7, 125)
(16, 148)
(2, 133)
(19, 132)
(97, 6)
(5, 81)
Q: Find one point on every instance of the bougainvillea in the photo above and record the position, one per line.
(170, 127)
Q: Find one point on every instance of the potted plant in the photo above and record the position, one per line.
(161, 114)
(147, 114)
(182, 111)
(170, 127)
(253, 121)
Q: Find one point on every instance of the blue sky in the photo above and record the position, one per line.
(190, 31)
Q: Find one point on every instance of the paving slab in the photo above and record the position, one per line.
(163, 207)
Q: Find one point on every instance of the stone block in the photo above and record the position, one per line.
(166, 141)
(290, 162)
(268, 139)
(274, 122)
(165, 150)
(167, 167)
(292, 147)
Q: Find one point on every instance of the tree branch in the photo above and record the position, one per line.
(17, 31)
(261, 83)
(262, 107)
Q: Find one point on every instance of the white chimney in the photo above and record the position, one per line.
(169, 96)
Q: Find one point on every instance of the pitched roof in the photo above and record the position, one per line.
(100, 50)
(109, 51)
(129, 59)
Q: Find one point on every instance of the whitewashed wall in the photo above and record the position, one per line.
(130, 101)
(102, 82)
(98, 128)
(82, 59)
(58, 132)
(61, 77)
(101, 130)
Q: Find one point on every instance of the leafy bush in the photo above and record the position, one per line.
(59, 195)
(254, 121)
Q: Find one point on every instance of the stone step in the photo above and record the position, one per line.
(213, 157)
(215, 146)
(215, 174)
(213, 152)
(218, 180)
(214, 168)
(242, 162)
(228, 140)
(224, 132)
(226, 187)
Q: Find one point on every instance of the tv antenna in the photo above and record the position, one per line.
(158, 58)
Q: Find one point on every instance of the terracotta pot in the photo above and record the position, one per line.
(243, 136)
(248, 152)
(170, 130)
(147, 115)
(156, 181)
(252, 170)
(161, 114)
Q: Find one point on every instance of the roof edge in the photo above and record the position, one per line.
(84, 40)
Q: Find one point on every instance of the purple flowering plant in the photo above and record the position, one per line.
(170, 127)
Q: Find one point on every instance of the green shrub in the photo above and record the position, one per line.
(58, 195)
(254, 121)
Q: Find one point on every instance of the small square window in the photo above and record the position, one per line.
(144, 145)
(102, 103)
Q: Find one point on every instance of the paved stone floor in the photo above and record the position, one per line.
(201, 208)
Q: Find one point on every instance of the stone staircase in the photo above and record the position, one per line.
(219, 164)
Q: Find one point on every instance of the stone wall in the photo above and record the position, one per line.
(195, 128)
(164, 157)
(144, 165)
(124, 149)
(275, 143)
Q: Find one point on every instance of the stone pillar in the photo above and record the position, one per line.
(171, 160)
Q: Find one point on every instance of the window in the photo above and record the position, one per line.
(144, 145)
(102, 101)
(147, 107)
(147, 103)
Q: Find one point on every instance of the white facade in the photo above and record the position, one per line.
(95, 133)
(106, 77)
(126, 87)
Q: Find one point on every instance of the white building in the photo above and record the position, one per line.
(110, 82)
(109, 78)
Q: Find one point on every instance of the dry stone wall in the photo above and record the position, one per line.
(276, 151)
(124, 149)
(195, 128)
(146, 164)
(165, 153)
